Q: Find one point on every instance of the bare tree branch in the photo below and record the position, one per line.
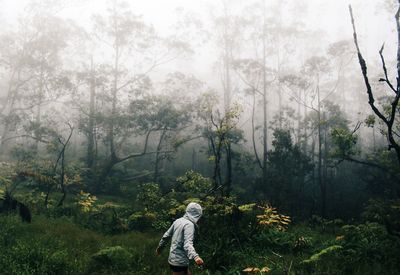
(371, 99)
(386, 79)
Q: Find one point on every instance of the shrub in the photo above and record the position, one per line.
(115, 257)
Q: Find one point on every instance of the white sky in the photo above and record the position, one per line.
(331, 17)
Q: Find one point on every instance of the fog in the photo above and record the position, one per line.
(129, 110)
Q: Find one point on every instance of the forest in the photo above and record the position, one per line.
(280, 118)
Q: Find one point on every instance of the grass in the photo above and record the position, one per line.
(74, 247)
(60, 246)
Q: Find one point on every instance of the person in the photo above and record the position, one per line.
(182, 233)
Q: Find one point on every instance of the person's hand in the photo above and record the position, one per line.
(199, 261)
(158, 251)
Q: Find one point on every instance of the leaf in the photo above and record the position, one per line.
(265, 269)
(251, 270)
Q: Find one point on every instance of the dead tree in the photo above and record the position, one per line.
(389, 119)
(61, 158)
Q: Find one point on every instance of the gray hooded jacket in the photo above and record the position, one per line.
(182, 233)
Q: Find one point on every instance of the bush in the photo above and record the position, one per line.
(360, 249)
(386, 213)
(141, 220)
(116, 257)
(369, 242)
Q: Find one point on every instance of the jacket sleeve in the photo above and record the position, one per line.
(188, 235)
(166, 236)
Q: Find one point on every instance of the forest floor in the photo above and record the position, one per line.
(60, 246)
(79, 244)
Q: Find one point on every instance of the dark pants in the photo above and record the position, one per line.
(175, 268)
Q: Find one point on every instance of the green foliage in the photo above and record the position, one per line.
(195, 183)
(142, 220)
(325, 225)
(383, 212)
(116, 258)
(271, 217)
(23, 251)
(250, 234)
(149, 196)
(326, 252)
(8, 172)
(288, 169)
(376, 211)
(369, 243)
(256, 270)
(86, 201)
(359, 248)
(302, 243)
(370, 121)
(344, 142)
(58, 246)
(247, 207)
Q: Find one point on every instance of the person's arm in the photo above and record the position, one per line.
(164, 239)
(188, 235)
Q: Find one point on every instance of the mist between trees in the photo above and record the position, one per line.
(142, 107)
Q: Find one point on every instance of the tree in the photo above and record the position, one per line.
(315, 66)
(127, 35)
(288, 171)
(270, 39)
(168, 115)
(257, 77)
(227, 26)
(388, 115)
(219, 130)
(33, 61)
(299, 88)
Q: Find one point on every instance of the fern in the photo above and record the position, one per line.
(271, 217)
(326, 251)
(256, 270)
(86, 201)
(40, 178)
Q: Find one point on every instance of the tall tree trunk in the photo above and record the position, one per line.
(12, 96)
(113, 159)
(194, 159)
(37, 133)
(298, 119)
(279, 91)
(62, 174)
(90, 155)
(320, 180)
(114, 99)
(314, 196)
(305, 142)
(158, 156)
(228, 180)
(62, 178)
(227, 100)
(325, 164)
(253, 130)
(216, 145)
(114, 103)
(264, 96)
(373, 139)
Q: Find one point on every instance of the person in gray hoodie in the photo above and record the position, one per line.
(181, 233)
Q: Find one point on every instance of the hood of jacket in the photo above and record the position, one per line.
(193, 212)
